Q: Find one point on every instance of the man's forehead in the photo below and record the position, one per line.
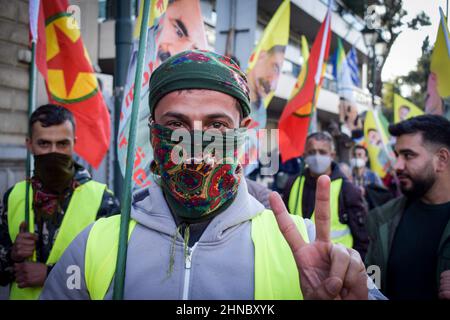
(313, 143)
(64, 128)
(411, 141)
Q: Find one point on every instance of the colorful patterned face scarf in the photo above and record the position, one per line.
(198, 170)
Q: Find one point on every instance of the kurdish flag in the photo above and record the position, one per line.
(63, 61)
(404, 109)
(294, 121)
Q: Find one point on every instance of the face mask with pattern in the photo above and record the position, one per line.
(199, 173)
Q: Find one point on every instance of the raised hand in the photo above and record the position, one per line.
(326, 270)
(24, 244)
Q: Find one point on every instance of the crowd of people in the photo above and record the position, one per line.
(205, 231)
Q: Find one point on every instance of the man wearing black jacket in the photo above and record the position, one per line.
(348, 212)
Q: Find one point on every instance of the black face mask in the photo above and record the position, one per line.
(54, 170)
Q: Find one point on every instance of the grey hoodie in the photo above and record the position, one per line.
(219, 266)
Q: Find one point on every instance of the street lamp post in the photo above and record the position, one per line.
(377, 45)
(370, 39)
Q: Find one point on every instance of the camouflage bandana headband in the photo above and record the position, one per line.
(198, 69)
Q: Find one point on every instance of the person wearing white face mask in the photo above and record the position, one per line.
(348, 210)
(362, 175)
(370, 184)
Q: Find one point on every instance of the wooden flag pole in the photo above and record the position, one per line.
(119, 280)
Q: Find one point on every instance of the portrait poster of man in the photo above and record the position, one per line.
(376, 143)
(404, 109)
(174, 26)
(264, 69)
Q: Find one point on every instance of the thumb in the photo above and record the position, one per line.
(23, 227)
(333, 286)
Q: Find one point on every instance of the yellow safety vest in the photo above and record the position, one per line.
(340, 233)
(82, 211)
(276, 273)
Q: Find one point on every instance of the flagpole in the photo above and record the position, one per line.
(31, 107)
(119, 280)
(318, 75)
(312, 118)
(447, 10)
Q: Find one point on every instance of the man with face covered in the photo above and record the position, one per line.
(348, 211)
(197, 233)
(410, 235)
(63, 201)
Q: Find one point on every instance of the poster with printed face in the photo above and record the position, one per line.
(175, 26)
(434, 103)
(264, 70)
(376, 143)
(182, 29)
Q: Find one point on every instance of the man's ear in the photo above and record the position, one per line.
(333, 155)
(28, 143)
(245, 122)
(443, 155)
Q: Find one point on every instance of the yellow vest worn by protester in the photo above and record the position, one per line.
(340, 233)
(82, 211)
(276, 274)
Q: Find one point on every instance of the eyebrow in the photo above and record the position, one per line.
(186, 119)
(182, 26)
(46, 140)
(177, 115)
(219, 115)
(402, 151)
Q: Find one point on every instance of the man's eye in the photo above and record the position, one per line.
(219, 125)
(179, 32)
(43, 143)
(63, 144)
(176, 124)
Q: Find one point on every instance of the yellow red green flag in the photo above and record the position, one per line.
(404, 109)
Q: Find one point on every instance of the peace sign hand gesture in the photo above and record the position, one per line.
(326, 270)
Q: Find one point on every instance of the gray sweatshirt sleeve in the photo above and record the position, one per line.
(66, 281)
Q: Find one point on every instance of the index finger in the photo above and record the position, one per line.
(287, 226)
(322, 209)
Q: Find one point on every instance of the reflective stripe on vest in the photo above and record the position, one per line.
(82, 211)
(276, 274)
(340, 233)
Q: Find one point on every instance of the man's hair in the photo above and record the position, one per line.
(433, 128)
(358, 146)
(322, 136)
(50, 115)
(276, 49)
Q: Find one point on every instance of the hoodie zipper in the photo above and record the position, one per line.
(187, 273)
